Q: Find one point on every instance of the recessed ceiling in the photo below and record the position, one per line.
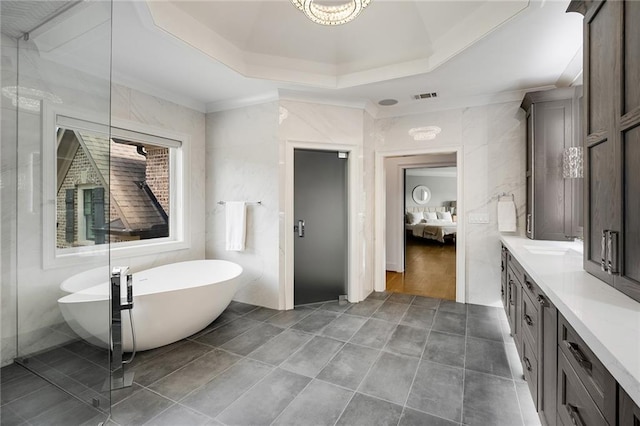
(390, 39)
(213, 55)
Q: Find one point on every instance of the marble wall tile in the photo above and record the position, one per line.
(493, 141)
(327, 124)
(245, 157)
(242, 156)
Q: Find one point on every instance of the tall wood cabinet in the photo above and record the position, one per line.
(553, 123)
(612, 141)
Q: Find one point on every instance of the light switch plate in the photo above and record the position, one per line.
(478, 217)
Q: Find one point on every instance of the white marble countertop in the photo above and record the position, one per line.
(607, 320)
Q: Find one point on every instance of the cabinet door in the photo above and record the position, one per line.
(629, 412)
(503, 279)
(553, 132)
(628, 280)
(529, 173)
(602, 183)
(513, 286)
(549, 364)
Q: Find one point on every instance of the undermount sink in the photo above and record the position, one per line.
(547, 249)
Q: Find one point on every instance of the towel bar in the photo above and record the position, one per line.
(251, 203)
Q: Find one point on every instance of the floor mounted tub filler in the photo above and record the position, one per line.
(170, 302)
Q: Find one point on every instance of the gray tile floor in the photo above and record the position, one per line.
(390, 360)
(29, 400)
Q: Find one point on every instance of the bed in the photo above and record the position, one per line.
(433, 223)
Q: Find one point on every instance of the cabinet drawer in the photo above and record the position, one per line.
(575, 406)
(599, 383)
(530, 287)
(530, 320)
(530, 367)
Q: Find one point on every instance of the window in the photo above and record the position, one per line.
(118, 186)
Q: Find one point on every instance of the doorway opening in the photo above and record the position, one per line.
(430, 230)
(420, 231)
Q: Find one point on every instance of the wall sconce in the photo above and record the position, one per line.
(572, 163)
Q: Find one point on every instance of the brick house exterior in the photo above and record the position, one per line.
(135, 202)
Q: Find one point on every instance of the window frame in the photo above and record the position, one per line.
(179, 184)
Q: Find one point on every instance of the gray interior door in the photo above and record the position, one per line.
(321, 227)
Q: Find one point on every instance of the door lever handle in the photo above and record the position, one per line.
(299, 228)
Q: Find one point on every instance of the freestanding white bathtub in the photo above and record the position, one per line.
(170, 302)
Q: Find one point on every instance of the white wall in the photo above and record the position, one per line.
(331, 126)
(245, 154)
(242, 165)
(443, 190)
(245, 160)
(492, 138)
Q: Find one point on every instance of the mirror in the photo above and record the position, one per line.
(421, 194)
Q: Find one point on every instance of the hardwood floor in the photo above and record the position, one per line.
(430, 270)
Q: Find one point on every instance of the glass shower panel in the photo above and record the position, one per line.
(62, 234)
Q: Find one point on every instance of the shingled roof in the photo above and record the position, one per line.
(137, 209)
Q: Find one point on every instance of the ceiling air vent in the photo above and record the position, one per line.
(425, 95)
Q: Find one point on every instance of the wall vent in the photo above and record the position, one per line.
(425, 95)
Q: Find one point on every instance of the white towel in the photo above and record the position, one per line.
(236, 225)
(506, 216)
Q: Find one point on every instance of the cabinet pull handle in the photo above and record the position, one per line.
(528, 320)
(528, 284)
(527, 363)
(579, 356)
(574, 415)
(511, 292)
(502, 266)
(612, 252)
(542, 301)
(529, 224)
(603, 250)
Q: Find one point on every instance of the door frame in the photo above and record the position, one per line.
(287, 258)
(380, 216)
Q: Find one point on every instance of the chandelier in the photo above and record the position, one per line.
(325, 14)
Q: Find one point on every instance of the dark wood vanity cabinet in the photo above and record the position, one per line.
(552, 126)
(568, 383)
(533, 321)
(611, 133)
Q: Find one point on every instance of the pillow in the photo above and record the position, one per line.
(430, 215)
(445, 216)
(413, 218)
